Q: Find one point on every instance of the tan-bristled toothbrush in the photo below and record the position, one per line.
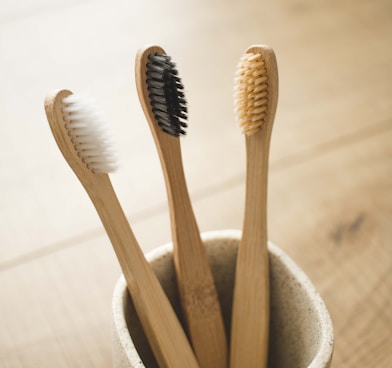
(256, 94)
(161, 95)
(78, 131)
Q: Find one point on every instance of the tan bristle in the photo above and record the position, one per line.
(251, 92)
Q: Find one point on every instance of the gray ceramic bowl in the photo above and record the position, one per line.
(301, 333)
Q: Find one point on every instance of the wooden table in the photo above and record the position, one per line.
(330, 197)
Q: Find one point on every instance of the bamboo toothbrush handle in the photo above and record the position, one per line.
(250, 318)
(198, 294)
(166, 336)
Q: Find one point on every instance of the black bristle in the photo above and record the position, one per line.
(166, 94)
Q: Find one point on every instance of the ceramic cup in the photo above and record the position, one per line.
(301, 333)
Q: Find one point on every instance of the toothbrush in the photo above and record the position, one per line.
(256, 94)
(162, 98)
(79, 132)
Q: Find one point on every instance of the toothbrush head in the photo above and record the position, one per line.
(166, 94)
(80, 131)
(255, 89)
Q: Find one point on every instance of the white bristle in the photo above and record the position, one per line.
(251, 92)
(89, 133)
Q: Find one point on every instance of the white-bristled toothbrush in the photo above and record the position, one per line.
(80, 134)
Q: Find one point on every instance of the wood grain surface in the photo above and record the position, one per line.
(330, 197)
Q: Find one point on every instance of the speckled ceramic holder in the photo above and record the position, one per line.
(301, 333)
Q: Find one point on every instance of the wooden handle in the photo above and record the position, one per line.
(158, 319)
(198, 294)
(250, 315)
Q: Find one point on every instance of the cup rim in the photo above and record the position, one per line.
(324, 354)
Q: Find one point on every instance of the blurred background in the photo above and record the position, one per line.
(330, 200)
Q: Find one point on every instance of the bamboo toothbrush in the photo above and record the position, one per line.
(256, 95)
(79, 133)
(161, 95)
